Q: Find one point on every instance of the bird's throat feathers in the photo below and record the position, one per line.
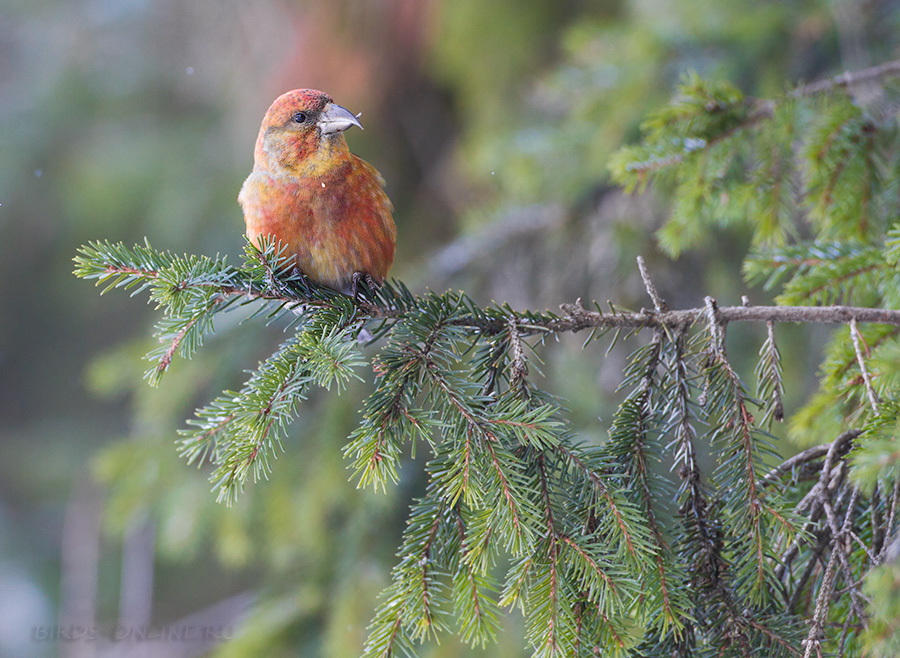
(307, 154)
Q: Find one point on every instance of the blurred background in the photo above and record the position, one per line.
(492, 123)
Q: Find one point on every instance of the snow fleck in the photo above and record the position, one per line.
(693, 144)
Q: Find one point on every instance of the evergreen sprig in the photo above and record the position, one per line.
(812, 155)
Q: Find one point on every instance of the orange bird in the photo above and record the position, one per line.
(310, 192)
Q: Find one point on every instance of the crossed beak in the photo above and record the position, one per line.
(335, 119)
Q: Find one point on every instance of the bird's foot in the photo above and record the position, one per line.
(368, 279)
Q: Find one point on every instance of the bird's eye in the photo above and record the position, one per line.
(299, 117)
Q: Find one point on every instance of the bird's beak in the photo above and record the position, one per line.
(335, 119)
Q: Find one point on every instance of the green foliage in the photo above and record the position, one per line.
(516, 513)
(693, 144)
(810, 161)
(602, 548)
(771, 164)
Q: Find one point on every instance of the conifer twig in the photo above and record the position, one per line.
(889, 528)
(857, 340)
(848, 79)
(658, 303)
(772, 347)
(762, 109)
(813, 453)
(812, 641)
(109, 269)
(715, 327)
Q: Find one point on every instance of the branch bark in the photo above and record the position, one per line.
(849, 79)
(578, 318)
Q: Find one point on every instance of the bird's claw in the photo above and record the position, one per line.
(370, 283)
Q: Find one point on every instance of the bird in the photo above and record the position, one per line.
(327, 206)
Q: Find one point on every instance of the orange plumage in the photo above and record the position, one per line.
(308, 190)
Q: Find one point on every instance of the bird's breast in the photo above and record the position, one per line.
(334, 224)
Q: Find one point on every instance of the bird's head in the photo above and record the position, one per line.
(302, 133)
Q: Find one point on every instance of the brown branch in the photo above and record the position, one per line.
(889, 529)
(848, 79)
(578, 318)
(658, 303)
(813, 641)
(860, 359)
(810, 454)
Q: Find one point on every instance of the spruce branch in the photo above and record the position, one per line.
(139, 268)
(607, 504)
(849, 79)
(644, 478)
(585, 529)
(742, 114)
(474, 602)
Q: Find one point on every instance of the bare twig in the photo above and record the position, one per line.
(848, 79)
(857, 341)
(715, 327)
(863, 546)
(841, 444)
(818, 495)
(816, 502)
(889, 529)
(812, 641)
(658, 303)
(577, 318)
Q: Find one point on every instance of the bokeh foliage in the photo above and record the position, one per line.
(516, 513)
(120, 141)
